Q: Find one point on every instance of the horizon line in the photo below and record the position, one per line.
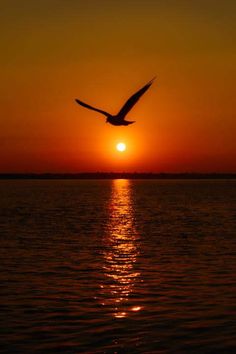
(117, 175)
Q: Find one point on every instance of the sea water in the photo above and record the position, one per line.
(118, 266)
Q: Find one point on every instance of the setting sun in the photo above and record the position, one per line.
(121, 147)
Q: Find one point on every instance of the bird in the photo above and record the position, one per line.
(119, 118)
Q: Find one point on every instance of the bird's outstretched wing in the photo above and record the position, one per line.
(133, 99)
(90, 107)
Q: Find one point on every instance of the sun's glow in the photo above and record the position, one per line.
(121, 147)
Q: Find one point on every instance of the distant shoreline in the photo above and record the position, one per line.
(117, 175)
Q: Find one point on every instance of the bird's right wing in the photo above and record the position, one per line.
(90, 107)
(133, 99)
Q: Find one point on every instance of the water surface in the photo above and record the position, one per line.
(118, 266)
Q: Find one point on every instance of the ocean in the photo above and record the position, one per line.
(118, 266)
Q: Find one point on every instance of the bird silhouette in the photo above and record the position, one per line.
(119, 119)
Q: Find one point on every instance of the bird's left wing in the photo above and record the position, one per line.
(93, 108)
(133, 99)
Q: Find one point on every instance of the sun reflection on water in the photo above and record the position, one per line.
(121, 252)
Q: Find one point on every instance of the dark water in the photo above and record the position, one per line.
(118, 266)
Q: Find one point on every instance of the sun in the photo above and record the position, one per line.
(121, 147)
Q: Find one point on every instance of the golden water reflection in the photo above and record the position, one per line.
(121, 251)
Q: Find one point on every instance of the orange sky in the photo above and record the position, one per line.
(102, 52)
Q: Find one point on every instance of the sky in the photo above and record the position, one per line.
(102, 52)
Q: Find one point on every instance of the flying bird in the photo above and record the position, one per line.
(119, 119)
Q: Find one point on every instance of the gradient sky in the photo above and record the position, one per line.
(102, 52)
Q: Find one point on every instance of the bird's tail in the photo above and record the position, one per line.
(128, 122)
